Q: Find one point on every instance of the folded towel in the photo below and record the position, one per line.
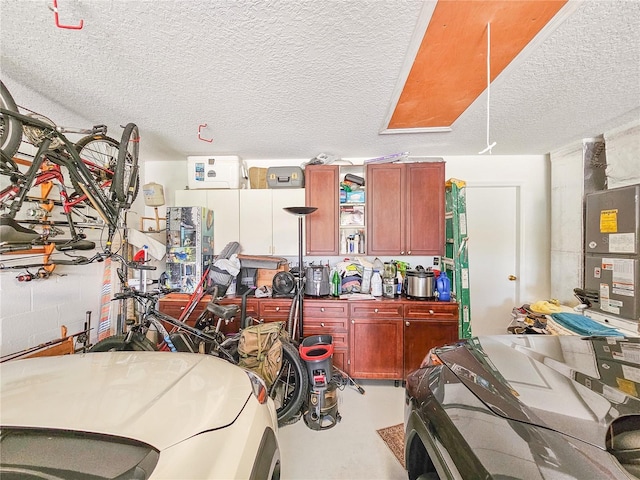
(582, 325)
(545, 307)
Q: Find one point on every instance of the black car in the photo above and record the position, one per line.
(526, 407)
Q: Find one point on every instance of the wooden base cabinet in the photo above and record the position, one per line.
(175, 303)
(427, 325)
(376, 340)
(322, 317)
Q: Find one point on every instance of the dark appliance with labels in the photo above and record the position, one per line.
(612, 251)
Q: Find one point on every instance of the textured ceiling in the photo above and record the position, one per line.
(291, 78)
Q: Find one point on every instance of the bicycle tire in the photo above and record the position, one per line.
(125, 181)
(10, 127)
(103, 152)
(293, 375)
(116, 343)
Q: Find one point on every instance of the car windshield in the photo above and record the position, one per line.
(29, 454)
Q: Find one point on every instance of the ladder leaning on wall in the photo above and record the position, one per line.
(456, 258)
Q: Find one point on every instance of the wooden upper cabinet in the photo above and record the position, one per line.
(385, 205)
(425, 208)
(321, 227)
(405, 208)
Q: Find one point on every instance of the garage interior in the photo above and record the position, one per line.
(533, 104)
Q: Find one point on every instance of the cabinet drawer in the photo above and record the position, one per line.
(436, 310)
(340, 339)
(329, 324)
(326, 308)
(252, 304)
(274, 308)
(174, 304)
(376, 310)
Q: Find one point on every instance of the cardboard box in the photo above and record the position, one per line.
(265, 276)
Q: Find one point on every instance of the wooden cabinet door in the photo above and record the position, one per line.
(427, 325)
(420, 336)
(321, 191)
(375, 348)
(424, 208)
(385, 208)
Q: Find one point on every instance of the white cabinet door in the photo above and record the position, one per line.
(265, 228)
(256, 227)
(226, 212)
(285, 225)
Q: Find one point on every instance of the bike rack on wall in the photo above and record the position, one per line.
(57, 19)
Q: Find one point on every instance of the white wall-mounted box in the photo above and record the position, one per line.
(216, 171)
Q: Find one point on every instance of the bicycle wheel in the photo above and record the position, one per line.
(10, 129)
(99, 151)
(125, 182)
(291, 388)
(100, 154)
(116, 343)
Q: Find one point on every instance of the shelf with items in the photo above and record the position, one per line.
(352, 226)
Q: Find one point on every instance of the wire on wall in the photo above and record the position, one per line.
(489, 146)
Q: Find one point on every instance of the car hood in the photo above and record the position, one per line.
(159, 398)
(570, 384)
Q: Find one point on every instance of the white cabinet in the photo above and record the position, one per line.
(226, 212)
(265, 228)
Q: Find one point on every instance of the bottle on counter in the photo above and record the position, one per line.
(336, 283)
(443, 286)
(365, 287)
(376, 284)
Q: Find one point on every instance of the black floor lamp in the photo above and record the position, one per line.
(300, 212)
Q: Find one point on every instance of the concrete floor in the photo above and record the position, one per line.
(352, 449)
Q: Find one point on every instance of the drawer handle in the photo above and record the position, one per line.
(181, 308)
(430, 312)
(322, 324)
(407, 323)
(277, 309)
(322, 309)
(375, 310)
(353, 321)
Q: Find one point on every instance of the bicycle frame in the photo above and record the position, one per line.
(108, 208)
(151, 316)
(54, 174)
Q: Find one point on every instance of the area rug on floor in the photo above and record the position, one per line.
(394, 438)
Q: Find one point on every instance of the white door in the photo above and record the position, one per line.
(493, 224)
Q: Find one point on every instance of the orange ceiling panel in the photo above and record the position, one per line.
(450, 68)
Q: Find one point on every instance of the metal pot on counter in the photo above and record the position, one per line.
(420, 284)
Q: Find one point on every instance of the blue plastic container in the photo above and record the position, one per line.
(443, 286)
